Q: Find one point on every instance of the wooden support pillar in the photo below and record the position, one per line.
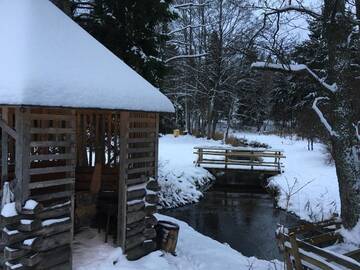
(122, 186)
(295, 251)
(156, 146)
(226, 158)
(22, 154)
(4, 149)
(72, 162)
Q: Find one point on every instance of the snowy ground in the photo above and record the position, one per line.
(308, 187)
(311, 182)
(194, 252)
(179, 178)
(315, 196)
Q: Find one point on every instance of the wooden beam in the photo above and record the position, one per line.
(122, 186)
(22, 161)
(156, 146)
(4, 149)
(5, 127)
(52, 183)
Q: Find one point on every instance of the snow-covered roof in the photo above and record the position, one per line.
(46, 59)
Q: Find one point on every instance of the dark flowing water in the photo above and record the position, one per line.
(245, 221)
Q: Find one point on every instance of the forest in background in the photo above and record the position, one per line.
(237, 63)
(199, 53)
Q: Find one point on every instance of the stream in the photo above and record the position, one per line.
(241, 216)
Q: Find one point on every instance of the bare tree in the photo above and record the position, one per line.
(338, 90)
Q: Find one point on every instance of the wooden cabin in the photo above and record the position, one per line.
(79, 140)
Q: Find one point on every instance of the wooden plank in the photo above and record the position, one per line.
(31, 259)
(142, 130)
(72, 162)
(142, 120)
(331, 257)
(57, 169)
(48, 157)
(55, 212)
(136, 194)
(142, 140)
(50, 144)
(295, 252)
(144, 170)
(46, 116)
(123, 173)
(156, 147)
(136, 206)
(52, 196)
(52, 183)
(135, 181)
(54, 258)
(141, 150)
(135, 228)
(141, 160)
(134, 241)
(7, 129)
(22, 162)
(52, 131)
(14, 253)
(4, 149)
(53, 241)
(312, 261)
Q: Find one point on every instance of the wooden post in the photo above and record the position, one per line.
(122, 187)
(4, 149)
(226, 158)
(109, 138)
(156, 147)
(22, 161)
(200, 159)
(295, 251)
(72, 162)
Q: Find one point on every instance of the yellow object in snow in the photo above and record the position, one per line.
(176, 133)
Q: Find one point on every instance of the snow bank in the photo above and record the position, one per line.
(180, 180)
(312, 183)
(194, 252)
(352, 237)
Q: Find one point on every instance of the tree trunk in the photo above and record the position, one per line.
(348, 173)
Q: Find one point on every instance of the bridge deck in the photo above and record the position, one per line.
(240, 158)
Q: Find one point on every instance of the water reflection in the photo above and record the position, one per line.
(246, 222)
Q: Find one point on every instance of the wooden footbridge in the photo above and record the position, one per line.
(261, 160)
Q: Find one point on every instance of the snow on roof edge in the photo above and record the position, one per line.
(86, 108)
(92, 78)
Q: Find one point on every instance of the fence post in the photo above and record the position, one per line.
(200, 158)
(295, 251)
(226, 158)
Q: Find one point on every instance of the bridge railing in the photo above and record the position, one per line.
(240, 158)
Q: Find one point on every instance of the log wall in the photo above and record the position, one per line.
(56, 150)
(41, 237)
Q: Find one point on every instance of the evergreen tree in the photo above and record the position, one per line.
(131, 29)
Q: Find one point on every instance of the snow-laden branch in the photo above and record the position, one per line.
(295, 68)
(185, 56)
(322, 117)
(300, 9)
(190, 4)
(357, 131)
(185, 28)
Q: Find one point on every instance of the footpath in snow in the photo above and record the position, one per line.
(194, 252)
(308, 187)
